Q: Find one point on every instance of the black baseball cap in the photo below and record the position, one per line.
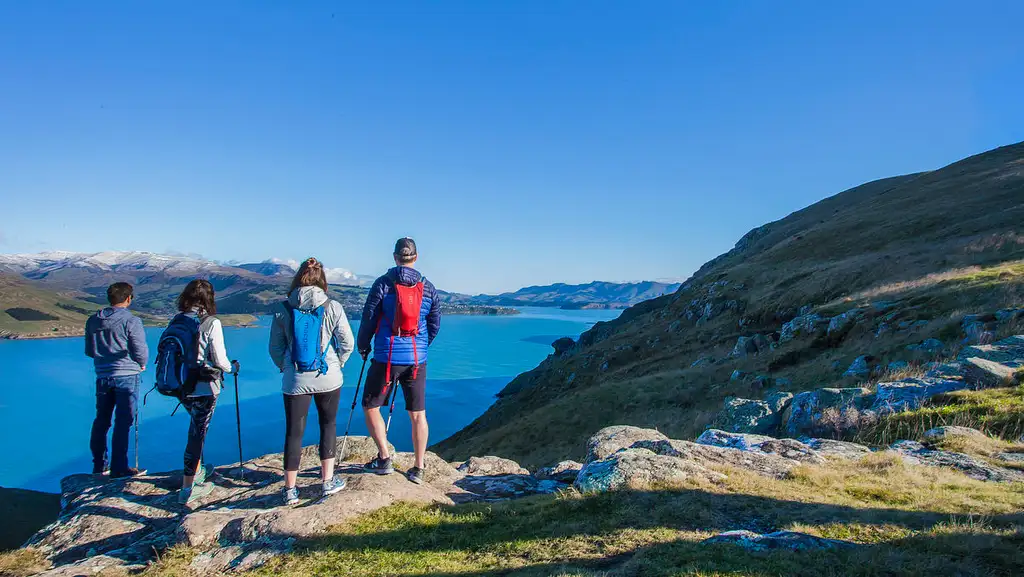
(405, 249)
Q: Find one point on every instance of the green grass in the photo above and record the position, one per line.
(996, 412)
(909, 521)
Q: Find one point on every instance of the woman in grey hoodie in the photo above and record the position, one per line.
(322, 386)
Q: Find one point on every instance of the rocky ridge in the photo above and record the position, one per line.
(108, 523)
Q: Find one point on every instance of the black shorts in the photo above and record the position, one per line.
(413, 389)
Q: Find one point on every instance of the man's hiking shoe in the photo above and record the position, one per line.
(415, 475)
(195, 492)
(129, 472)
(333, 485)
(291, 496)
(101, 470)
(380, 466)
(202, 474)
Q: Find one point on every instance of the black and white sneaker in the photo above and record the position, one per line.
(379, 466)
(415, 474)
(127, 473)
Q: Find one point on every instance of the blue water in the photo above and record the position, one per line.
(47, 398)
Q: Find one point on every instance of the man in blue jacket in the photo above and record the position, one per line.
(401, 359)
(116, 342)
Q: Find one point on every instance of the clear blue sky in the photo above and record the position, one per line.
(518, 142)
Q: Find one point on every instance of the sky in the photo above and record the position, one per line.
(519, 143)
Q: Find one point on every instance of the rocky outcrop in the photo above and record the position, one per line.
(640, 469)
(785, 540)
(916, 453)
(609, 440)
(108, 523)
(563, 346)
(810, 411)
(911, 393)
(710, 456)
(786, 448)
(563, 472)
(940, 435)
(747, 416)
(491, 465)
(836, 449)
(804, 326)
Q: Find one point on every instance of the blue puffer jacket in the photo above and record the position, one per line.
(379, 315)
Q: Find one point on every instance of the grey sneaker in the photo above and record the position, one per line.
(333, 485)
(291, 496)
(194, 493)
(380, 466)
(415, 474)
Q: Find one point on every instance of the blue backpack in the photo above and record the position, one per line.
(177, 364)
(308, 352)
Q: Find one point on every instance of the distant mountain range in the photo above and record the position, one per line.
(58, 280)
(580, 296)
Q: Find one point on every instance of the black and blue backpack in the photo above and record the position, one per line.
(308, 351)
(177, 363)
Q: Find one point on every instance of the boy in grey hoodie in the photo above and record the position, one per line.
(116, 342)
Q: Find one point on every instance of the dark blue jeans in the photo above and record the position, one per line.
(117, 398)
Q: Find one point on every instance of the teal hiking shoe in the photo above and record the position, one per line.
(194, 493)
(333, 485)
(203, 474)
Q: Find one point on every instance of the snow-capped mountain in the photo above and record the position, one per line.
(43, 265)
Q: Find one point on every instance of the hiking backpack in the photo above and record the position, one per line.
(308, 352)
(408, 301)
(177, 362)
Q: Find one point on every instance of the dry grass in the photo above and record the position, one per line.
(22, 563)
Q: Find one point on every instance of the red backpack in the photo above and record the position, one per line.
(408, 301)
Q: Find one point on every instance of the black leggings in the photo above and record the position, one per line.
(296, 407)
(201, 411)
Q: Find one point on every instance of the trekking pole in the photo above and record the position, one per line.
(391, 411)
(238, 423)
(352, 411)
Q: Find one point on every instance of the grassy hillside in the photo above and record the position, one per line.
(26, 308)
(933, 246)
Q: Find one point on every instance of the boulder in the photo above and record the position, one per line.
(738, 375)
(949, 432)
(98, 565)
(945, 371)
(804, 326)
(983, 373)
(1009, 352)
(842, 324)
(703, 361)
(978, 332)
(929, 347)
(1007, 315)
(917, 454)
(786, 448)
(511, 486)
(710, 456)
(563, 346)
(779, 400)
(563, 472)
(861, 367)
(780, 540)
(744, 346)
(641, 469)
(617, 437)
(836, 449)
(911, 393)
(747, 416)
(809, 411)
(491, 466)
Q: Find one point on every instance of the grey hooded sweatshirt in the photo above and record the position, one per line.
(335, 325)
(116, 342)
